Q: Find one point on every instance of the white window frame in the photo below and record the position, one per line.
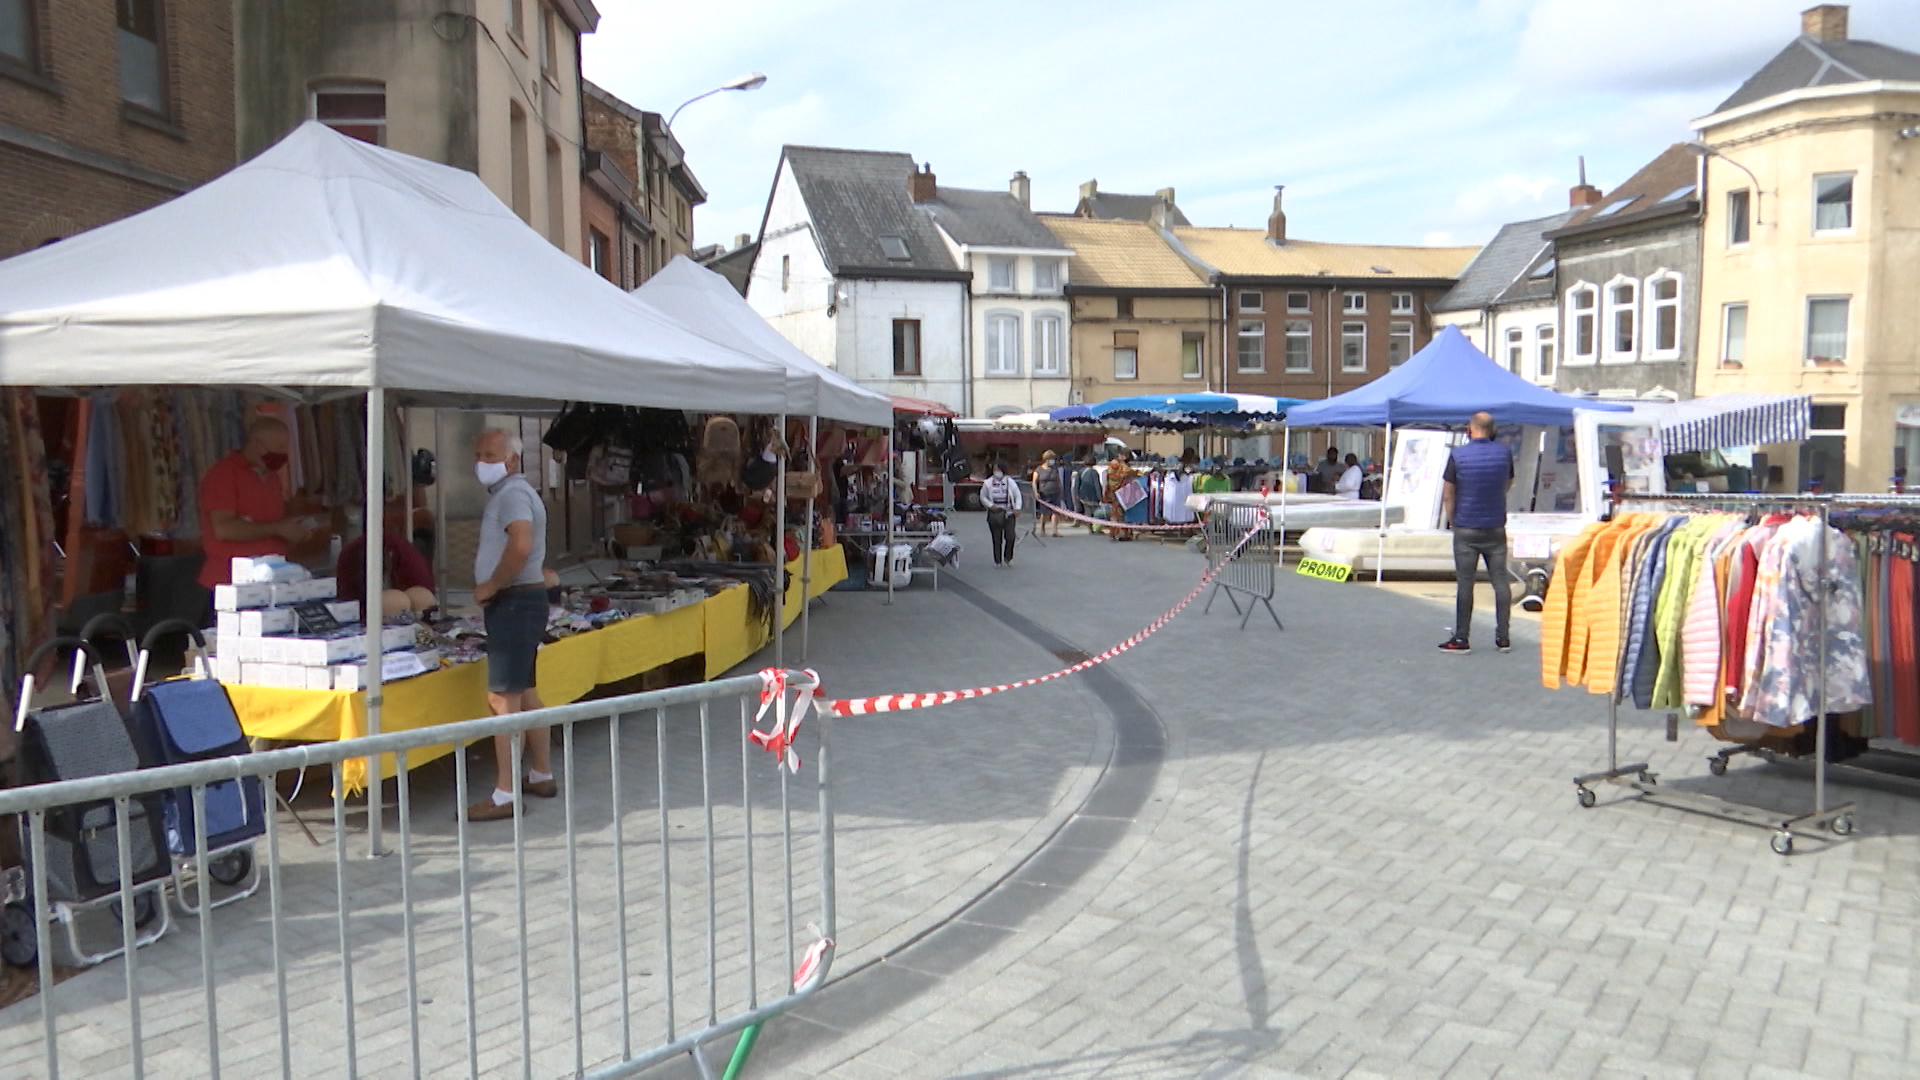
(1395, 332)
(1200, 353)
(998, 338)
(1050, 266)
(1132, 369)
(1402, 304)
(1302, 330)
(1259, 300)
(1610, 310)
(1651, 349)
(1353, 303)
(1852, 203)
(1726, 332)
(1572, 357)
(1250, 330)
(1048, 351)
(320, 90)
(1806, 333)
(1744, 218)
(1545, 350)
(1516, 350)
(1306, 302)
(1347, 334)
(995, 265)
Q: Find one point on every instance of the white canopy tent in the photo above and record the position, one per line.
(326, 267)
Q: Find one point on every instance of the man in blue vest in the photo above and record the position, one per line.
(1475, 498)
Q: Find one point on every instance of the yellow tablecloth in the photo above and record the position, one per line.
(568, 670)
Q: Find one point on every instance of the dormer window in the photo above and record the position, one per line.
(895, 249)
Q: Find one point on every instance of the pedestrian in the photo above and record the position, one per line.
(1089, 489)
(1474, 497)
(1001, 494)
(1329, 471)
(1046, 494)
(510, 585)
(1348, 486)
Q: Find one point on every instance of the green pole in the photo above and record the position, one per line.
(740, 1051)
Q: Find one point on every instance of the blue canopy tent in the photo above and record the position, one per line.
(1442, 385)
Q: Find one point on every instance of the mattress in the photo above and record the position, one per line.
(1254, 498)
(1342, 513)
(1417, 550)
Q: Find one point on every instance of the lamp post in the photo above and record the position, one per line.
(753, 80)
(1706, 151)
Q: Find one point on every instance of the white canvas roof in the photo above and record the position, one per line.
(705, 303)
(327, 265)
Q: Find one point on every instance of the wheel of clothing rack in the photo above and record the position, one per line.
(1586, 797)
(1782, 843)
(1842, 825)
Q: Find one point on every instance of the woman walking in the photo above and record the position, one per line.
(1046, 494)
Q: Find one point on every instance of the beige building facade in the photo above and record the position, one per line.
(1811, 251)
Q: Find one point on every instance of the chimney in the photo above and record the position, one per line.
(1583, 193)
(1828, 22)
(1165, 195)
(741, 240)
(920, 185)
(1277, 221)
(1021, 189)
(1089, 189)
(1159, 213)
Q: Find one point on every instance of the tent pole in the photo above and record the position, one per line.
(439, 506)
(780, 550)
(1286, 473)
(886, 564)
(1380, 553)
(806, 542)
(371, 608)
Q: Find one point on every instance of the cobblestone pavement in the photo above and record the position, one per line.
(1361, 857)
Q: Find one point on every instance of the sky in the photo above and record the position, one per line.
(1389, 121)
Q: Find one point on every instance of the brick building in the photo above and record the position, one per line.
(663, 192)
(108, 107)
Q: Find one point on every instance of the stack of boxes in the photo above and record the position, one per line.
(259, 640)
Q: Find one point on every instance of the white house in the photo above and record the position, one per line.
(856, 275)
(1505, 301)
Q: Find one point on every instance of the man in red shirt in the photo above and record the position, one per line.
(242, 508)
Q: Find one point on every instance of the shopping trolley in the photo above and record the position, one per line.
(80, 843)
(191, 719)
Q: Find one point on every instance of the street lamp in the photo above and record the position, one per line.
(1706, 151)
(753, 80)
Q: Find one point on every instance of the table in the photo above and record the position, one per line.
(719, 626)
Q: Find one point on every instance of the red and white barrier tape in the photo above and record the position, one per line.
(775, 683)
(1111, 524)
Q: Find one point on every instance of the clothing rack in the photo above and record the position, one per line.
(1839, 817)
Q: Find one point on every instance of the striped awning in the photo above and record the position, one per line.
(1729, 420)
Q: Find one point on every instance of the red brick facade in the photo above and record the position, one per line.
(73, 155)
(1325, 316)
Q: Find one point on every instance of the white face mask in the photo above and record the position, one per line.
(490, 473)
(998, 472)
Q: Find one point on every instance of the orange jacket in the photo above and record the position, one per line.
(1555, 617)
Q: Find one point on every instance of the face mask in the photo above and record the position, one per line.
(273, 462)
(998, 473)
(490, 472)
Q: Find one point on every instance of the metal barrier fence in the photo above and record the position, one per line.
(535, 946)
(1251, 569)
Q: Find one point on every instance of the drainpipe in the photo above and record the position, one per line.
(1226, 335)
(966, 340)
(1333, 293)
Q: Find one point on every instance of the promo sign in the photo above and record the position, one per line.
(1325, 571)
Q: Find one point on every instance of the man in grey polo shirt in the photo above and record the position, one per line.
(510, 585)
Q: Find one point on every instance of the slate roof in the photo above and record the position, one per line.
(1107, 206)
(857, 196)
(1514, 249)
(1809, 62)
(987, 219)
(1248, 253)
(1120, 255)
(1647, 195)
(736, 265)
(1534, 282)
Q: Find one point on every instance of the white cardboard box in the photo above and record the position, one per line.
(241, 597)
(266, 569)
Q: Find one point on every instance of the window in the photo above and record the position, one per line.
(599, 258)
(1516, 348)
(1677, 194)
(1543, 335)
(1046, 344)
(1252, 353)
(1193, 355)
(549, 45)
(1663, 313)
(556, 196)
(1252, 300)
(358, 112)
(522, 190)
(1353, 346)
(1000, 274)
(1123, 307)
(517, 18)
(16, 33)
(1823, 456)
(1003, 344)
(1826, 329)
(1623, 321)
(1046, 275)
(636, 269)
(143, 68)
(1733, 335)
(1739, 225)
(1833, 203)
(786, 272)
(1126, 354)
(906, 347)
(1299, 345)
(1299, 303)
(1399, 344)
(1544, 270)
(895, 249)
(1582, 302)
(1403, 303)
(1354, 302)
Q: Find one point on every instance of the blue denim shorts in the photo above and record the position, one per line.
(516, 621)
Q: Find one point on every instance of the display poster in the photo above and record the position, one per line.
(1642, 457)
(1415, 481)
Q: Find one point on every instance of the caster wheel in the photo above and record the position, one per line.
(231, 869)
(145, 910)
(1587, 798)
(1717, 766)
(19, 944)
(1782, 843)
(1649, 778)
(1842, 825)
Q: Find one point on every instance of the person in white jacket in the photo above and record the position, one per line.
(1001, 495)
(1348, 486)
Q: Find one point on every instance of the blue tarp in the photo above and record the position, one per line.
(1443, 385)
